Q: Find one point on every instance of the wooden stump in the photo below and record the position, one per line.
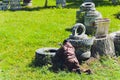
(103, 46)
(44, 56)
(116, 38)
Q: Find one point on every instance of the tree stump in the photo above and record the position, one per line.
(103, 46)
(116, 38)
(44, 56)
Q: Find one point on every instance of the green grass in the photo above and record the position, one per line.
(22, 32)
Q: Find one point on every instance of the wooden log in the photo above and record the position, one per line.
(116, 38)
(44, 56)
(103, 46)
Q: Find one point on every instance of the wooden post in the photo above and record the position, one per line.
(103, 46)
(46, 2)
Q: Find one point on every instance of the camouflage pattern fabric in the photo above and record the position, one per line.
(65, 56)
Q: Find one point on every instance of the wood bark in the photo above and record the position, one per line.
(103, 46)
(44, 56)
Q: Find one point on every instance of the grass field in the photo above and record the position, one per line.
(24, 31)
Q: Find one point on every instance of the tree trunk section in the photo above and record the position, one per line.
(44, 56)
(116, 38)
(46, 2)
(103, 46)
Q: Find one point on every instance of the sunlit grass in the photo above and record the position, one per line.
(22, 32)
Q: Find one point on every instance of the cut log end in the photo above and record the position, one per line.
(103, 46)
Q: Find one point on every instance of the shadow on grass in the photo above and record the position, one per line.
(73, 3)
(33, 8)
(36, 64)
(68, 29)
(117, 15)
(77, 3)
(102, 3)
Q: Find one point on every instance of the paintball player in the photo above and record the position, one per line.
(65, 58)
(27, 2)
